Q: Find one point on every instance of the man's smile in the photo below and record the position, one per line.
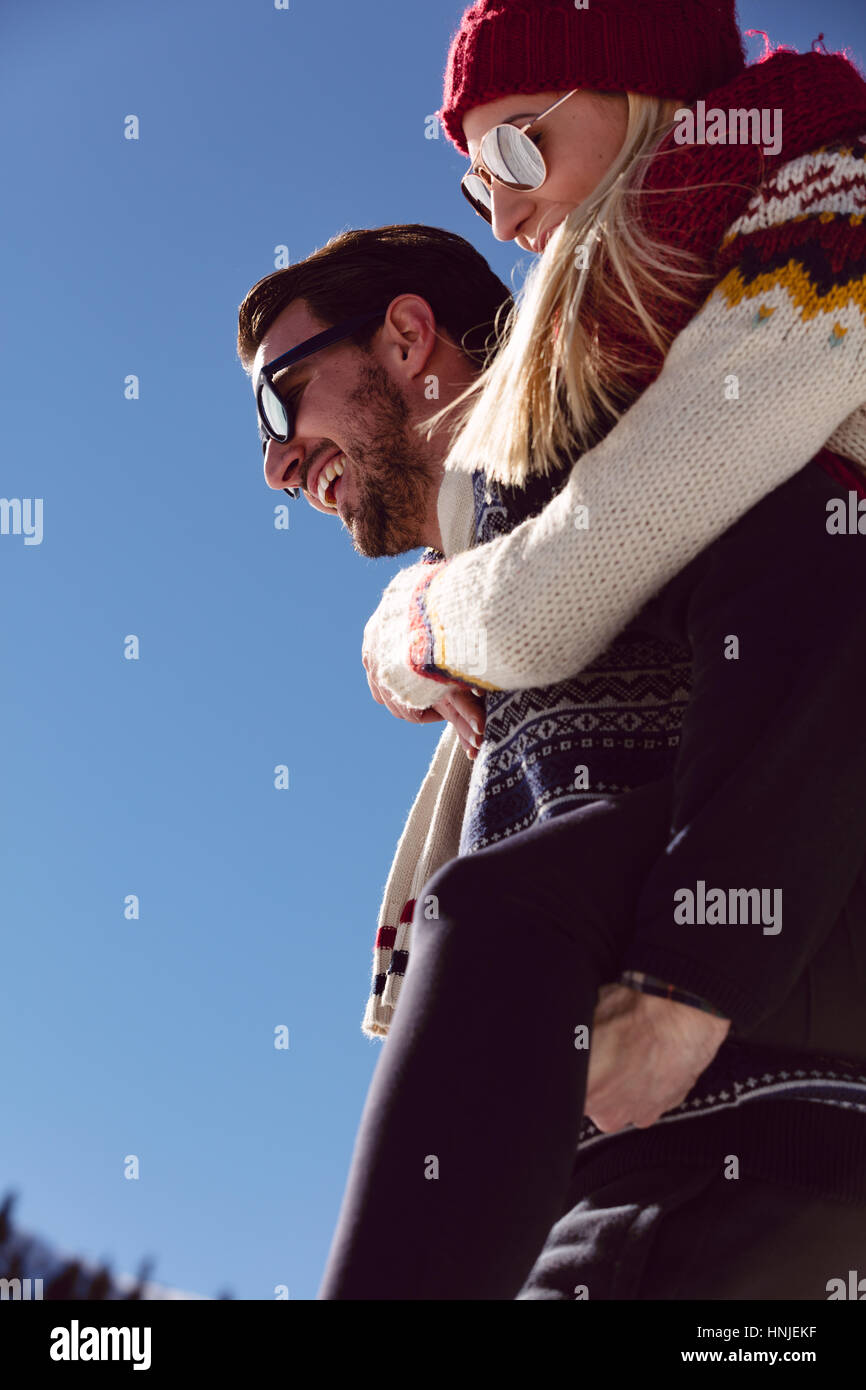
(328, 480)
(322, 481)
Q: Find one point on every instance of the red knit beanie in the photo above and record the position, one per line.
(667, 48)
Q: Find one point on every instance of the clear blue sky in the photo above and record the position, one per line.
(155, 777)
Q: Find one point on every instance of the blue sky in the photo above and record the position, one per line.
(155, 777)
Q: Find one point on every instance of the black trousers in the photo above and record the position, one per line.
(466, 1148)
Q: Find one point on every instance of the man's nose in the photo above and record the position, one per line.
(283, 464)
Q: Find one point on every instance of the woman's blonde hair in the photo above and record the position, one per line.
(556, 384)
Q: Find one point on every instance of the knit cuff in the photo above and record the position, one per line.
(388, 642)
(422, 644)
(453, 657)
(701, 978)
(651, 984)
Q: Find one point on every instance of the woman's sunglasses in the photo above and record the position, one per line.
(277, 416)
(507, 155)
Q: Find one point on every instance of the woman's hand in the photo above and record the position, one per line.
(465, 710)
(645, 1055)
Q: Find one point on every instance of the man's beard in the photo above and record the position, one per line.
(392, 476)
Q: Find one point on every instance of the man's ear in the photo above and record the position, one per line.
(411, 318)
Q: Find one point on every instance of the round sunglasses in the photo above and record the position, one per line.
(507, 155)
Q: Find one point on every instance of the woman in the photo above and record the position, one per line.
(623, 299)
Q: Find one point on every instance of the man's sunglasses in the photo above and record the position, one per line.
(276, 416)
(507, 155)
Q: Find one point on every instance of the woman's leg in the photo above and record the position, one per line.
(476, 1102)
(769, 778)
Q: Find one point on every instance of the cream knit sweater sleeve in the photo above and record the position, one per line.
(771, 369)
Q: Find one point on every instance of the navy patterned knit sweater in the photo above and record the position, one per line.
(619, 719)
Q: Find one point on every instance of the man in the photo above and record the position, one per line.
(410, 309)
(356, 452)
(356, 405)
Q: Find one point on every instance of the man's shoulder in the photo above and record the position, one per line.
(500, 508)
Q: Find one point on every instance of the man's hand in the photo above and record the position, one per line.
(459, 706)
(645, 1056)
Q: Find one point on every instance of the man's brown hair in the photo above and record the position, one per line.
(363, 270)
